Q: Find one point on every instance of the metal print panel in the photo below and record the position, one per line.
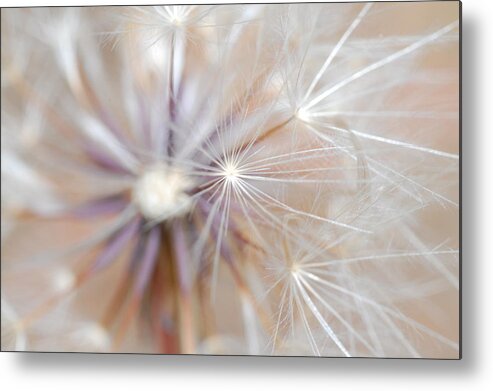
(261, 179)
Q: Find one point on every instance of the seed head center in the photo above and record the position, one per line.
(231, 173)
(161, 193)
(303, 114)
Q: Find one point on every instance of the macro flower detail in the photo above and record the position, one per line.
(231, 179)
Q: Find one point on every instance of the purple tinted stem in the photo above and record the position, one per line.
(148, 260)
(102, 206)
(110, 123)
(181, 256)
(105, 161)
(145, 123)
(116, 245)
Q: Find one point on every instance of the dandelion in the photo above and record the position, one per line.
(252, 179)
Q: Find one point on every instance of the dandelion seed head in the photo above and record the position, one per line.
(161, 192)
(231, 173)
(63, 280)
(91, 335)
(176, 20)
(175, 15)
(294, 269)
(13, 336)
(303, 114)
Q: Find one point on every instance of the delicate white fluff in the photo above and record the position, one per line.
(287, 179)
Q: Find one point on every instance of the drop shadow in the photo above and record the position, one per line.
(469, 194)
